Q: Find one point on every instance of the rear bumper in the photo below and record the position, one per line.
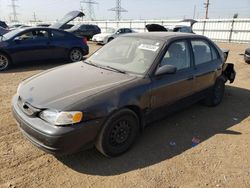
(85, 51)
(53, 139)
(229, 72)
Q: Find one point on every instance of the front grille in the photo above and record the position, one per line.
(27, 108)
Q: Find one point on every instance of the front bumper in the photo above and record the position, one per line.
(54, 139)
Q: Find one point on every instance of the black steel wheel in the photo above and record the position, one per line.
(217, 93)
(118, 133)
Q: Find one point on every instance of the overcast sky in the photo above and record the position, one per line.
(50, 10)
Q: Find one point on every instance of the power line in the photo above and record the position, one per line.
(206, 7)
(90, 8)
(14, 12)
(118, 9)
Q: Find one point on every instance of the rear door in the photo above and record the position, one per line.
(31, 45)
(170, 88)
(207, 64)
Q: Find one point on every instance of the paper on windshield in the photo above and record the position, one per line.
(148, 47)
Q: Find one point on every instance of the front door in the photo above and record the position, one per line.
(169, 88)
(30, 46)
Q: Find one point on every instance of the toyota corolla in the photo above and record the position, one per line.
(106, 100)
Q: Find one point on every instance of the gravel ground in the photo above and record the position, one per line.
(220, 160)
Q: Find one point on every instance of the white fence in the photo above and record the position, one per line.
(223, 30)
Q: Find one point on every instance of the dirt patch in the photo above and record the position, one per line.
(220, 160)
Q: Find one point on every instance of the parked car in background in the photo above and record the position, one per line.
(130, 82)
(3, 31)
(43, 25)
(35, 44)
(67, 26)
(247, 55)
(3, 25)
(110, 34)
(18, 26)
(85, 30)
(63, 23)
(185, 26)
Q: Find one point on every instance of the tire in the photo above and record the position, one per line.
(216, 95)
(118, 133)
(75, 55)
(4, 62)
(110, 39)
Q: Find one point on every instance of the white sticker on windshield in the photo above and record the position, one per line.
(149, 47)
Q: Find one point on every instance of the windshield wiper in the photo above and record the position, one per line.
(91, 63)
(104, 67)
(118, 70)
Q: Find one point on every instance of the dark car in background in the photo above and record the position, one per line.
(3, 31)
(36, 44)
(184, 26)
(130, 82)
(43, 25)
(3, 25)
(18, 26)
(247, 55)
(66, 26)
(85, 30)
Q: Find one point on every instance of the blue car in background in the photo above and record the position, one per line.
(40, 43)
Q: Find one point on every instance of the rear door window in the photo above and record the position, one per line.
(202, 52)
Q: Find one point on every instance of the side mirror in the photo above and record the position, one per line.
(166, 69)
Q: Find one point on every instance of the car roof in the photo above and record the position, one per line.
(164, 35)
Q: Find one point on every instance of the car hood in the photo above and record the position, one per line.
(102, 35)
(61, 87)
(66, 19)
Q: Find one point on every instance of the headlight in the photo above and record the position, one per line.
(61, 118)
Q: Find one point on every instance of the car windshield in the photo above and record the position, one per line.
(128, 54)
(10, 34)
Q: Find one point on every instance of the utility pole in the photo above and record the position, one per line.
(194, 12)
(206, 7)
(118, 9)
(14, 12)
(34, 17)
(90, 8)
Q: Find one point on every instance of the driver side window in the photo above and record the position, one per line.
(178, 55)
(34, 35)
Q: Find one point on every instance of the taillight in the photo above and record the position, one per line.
(85, 41)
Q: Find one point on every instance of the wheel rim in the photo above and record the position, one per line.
(75, 55)
(120, 133)
(4, 62)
